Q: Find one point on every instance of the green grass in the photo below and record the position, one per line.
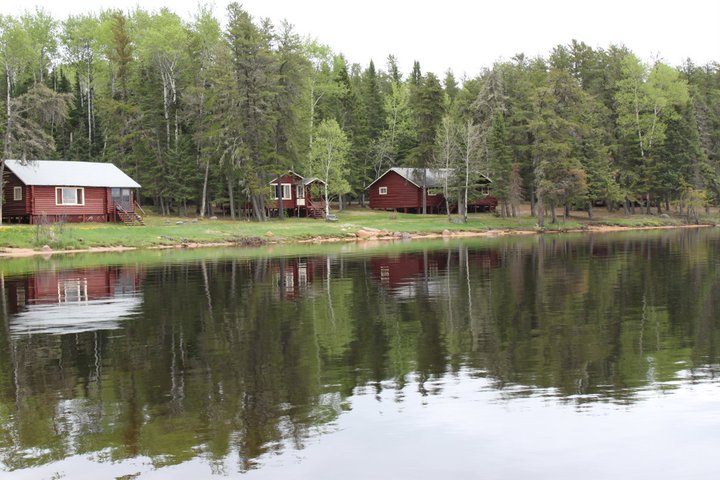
(164, 231)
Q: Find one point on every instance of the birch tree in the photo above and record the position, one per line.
(14, 53)
(329, 159)
(471, 140)
(80, 37)
(447, 156)
(646, 100)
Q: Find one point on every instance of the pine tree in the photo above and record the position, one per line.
(500, 162)
(427, 108)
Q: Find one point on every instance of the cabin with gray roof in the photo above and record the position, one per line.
(55, 190)
(401, 189)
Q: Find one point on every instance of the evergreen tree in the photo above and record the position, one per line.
(427, 108)
(500, 162)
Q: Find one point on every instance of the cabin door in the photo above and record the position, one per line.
(300, 194)
(121, 196)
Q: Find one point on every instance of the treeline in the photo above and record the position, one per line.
(203, 115)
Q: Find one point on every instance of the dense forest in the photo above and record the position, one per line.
(206, 112)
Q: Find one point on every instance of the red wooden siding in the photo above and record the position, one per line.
(401, 194)
(15, 208)
(292, 181)
(43, 201)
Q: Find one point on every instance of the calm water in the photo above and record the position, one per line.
(549, 357)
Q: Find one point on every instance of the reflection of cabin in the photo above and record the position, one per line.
(69, 301)
(293, 276)
(68, 191)
(68, 286)
(401, 189)
(400, 274)
(299, 196)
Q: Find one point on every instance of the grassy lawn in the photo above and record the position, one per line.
(174, 231)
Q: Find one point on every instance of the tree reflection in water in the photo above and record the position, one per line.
(233, 356)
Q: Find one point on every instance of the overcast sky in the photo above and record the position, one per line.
(466, 35)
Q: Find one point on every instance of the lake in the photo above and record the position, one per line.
(550, 357)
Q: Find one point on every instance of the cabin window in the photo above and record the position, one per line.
(300, 191)
(283, 189)
(69, 196)
(17, 193)
(382, 190)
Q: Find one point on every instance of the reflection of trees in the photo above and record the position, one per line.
(253, 356)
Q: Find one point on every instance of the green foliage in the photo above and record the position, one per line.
(208, 111)
(328, 159)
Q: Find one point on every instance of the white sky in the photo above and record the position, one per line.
(466, 35)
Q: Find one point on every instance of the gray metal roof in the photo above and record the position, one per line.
(435, 176)
(308, 181)
(70, 174)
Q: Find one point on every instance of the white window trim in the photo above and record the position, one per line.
(62, 196)
(300, 191)
(382, 191)
(17, 193)
(286, 188)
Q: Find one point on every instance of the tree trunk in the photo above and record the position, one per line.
(258, 206)
(590, 210)
(8, 129)
(327, 200)
(554, 214)
(647, 203)
(532, 201)
(2, 186)
(540, 211)
(465, 204)
(166, 110)
(204, 190)
(424, 192)
(231, 194)
(566, 212)
(89, 105)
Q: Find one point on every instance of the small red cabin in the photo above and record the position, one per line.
(297, 197)
(69, 191)
(401, 189)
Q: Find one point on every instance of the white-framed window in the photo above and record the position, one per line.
(69, 196)
(382, 191)
(286, 191)
(300, 190)
(17, 193)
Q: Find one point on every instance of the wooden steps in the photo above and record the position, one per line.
(129, 218)
(315, 212)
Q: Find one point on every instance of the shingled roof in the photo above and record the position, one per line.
(70, 174)
(435, 176)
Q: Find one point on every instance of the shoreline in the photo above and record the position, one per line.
(10, 252)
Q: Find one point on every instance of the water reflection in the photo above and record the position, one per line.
(72, 301)
(242, 358)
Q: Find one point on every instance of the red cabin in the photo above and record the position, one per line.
(401, 189)
(297, 195)
(68, 191)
